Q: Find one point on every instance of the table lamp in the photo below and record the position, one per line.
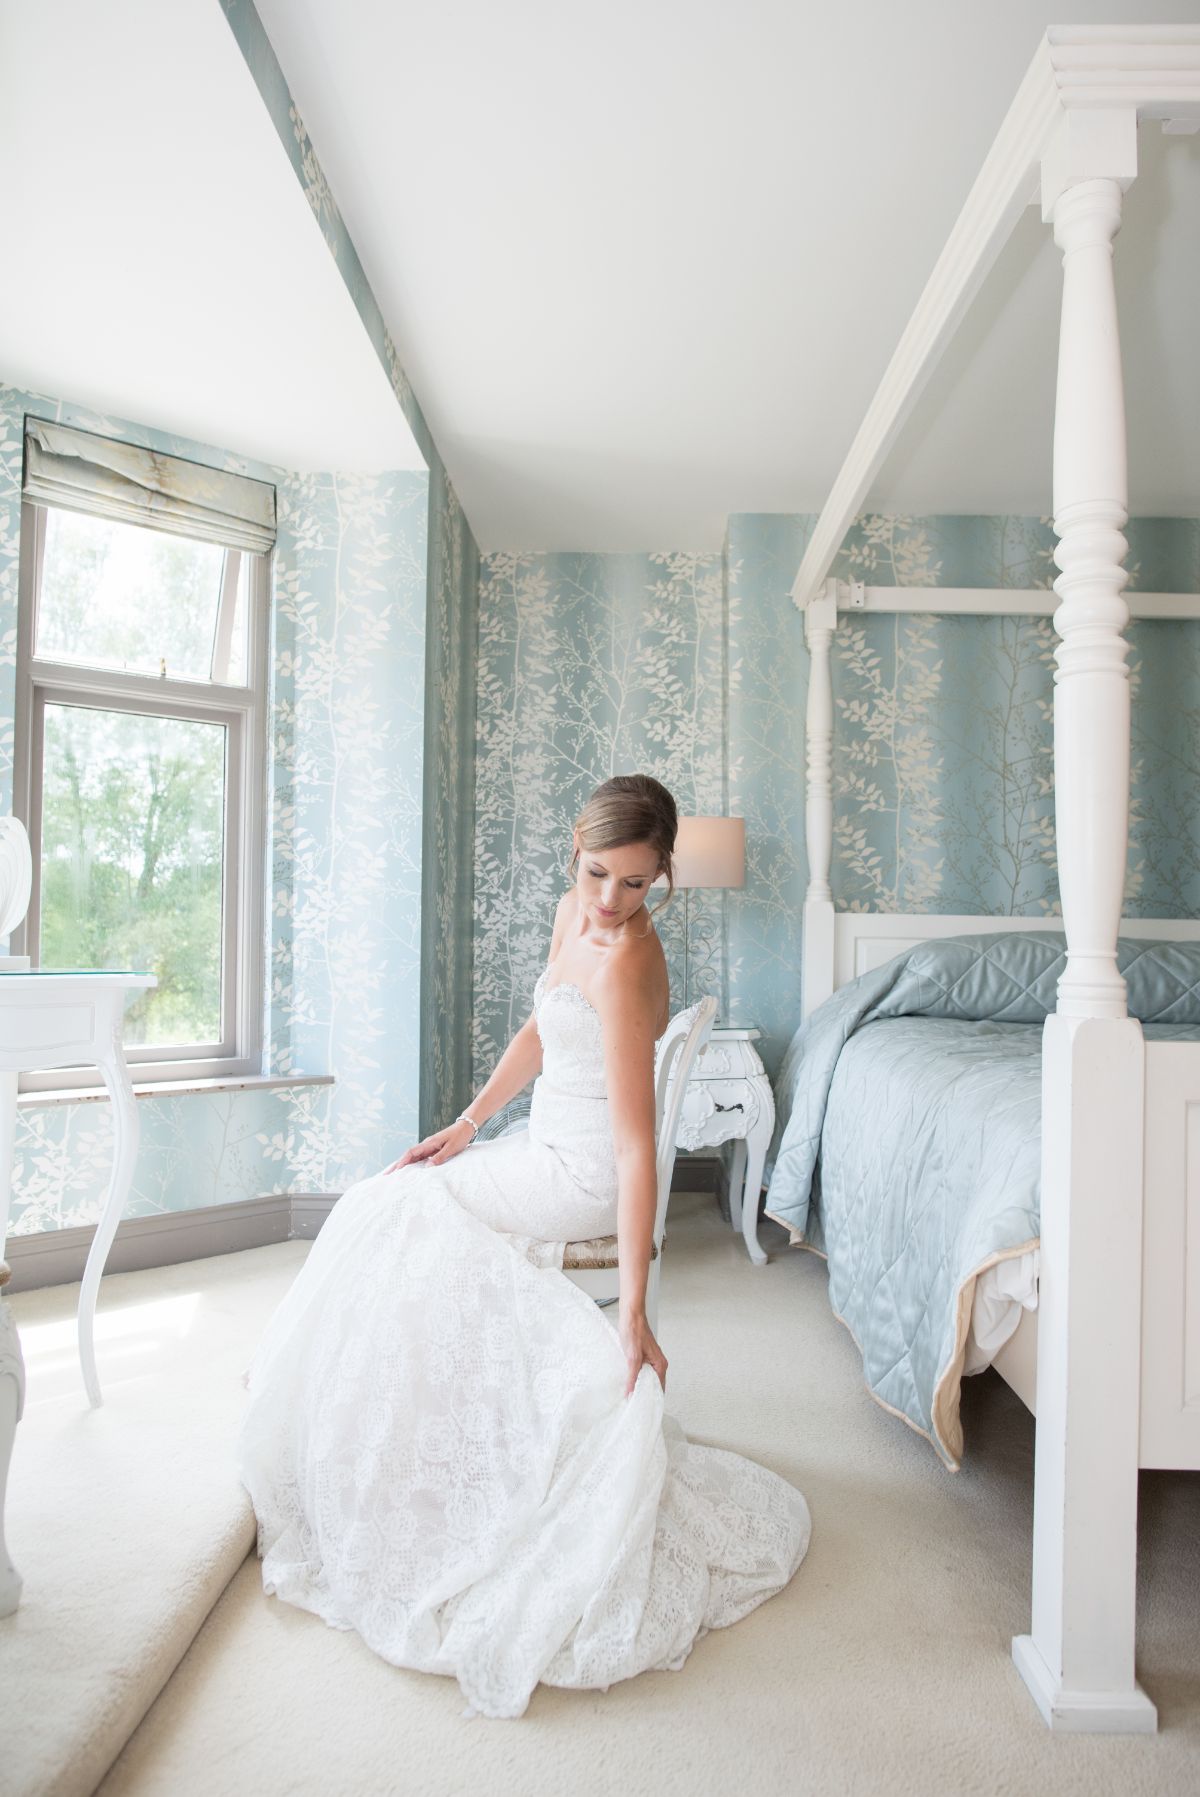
(709, 852)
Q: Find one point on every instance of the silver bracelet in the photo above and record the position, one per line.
(463, 1118)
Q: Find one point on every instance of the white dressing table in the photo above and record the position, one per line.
(54, 1019)
(50, 1019)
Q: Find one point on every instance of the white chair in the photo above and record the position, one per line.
(593, 1264)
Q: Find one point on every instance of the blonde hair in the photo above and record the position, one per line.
(626, 809)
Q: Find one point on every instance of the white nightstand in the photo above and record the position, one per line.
(729, 1099)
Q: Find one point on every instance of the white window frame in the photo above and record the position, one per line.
(242, 710)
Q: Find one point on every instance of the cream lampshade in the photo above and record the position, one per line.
(709, 852)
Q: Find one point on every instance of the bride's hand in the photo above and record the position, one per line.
(640, 1349)
(439, 1147)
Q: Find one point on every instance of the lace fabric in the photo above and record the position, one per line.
(438, 1446)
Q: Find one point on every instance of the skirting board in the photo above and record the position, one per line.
(57, 1256)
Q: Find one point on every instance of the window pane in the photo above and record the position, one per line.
(132, 820)
(238, 674)
(117, 596)
(229, 662)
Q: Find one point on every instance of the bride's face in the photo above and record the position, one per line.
(613, 883)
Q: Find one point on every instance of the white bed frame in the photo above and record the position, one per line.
(1115, 1374)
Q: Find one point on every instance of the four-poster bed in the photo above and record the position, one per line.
(1115, 1376)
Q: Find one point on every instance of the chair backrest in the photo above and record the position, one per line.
(678, 1049)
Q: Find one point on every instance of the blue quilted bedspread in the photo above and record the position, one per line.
(907, 1141)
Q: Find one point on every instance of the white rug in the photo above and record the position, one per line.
(126, 1523)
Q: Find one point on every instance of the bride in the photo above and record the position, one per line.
(447, 1445)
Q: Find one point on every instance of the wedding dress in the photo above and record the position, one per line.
(438, 1445)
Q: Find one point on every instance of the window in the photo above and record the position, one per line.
(141, 724)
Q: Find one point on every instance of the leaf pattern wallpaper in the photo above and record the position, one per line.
(768, 664)
(695, 669)
(346, 866)
(589, 665)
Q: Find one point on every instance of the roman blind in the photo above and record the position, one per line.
(86, 472)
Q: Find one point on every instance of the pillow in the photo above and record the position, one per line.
(1012, 976)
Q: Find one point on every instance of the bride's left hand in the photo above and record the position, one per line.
(437, 1148)
(640, 1349)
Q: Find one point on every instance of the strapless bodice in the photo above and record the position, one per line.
(572, 1038)
(569, 1105)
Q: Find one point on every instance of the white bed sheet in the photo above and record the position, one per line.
(1002, 1292)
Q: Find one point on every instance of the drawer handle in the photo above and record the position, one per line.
(739, 1106)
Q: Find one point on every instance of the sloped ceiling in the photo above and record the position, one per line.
(162, 263)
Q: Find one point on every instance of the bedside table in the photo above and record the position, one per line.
(729, 1099)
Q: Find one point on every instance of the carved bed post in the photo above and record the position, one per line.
(820, 622)
(1078, 1659)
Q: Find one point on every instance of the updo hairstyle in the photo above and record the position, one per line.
(630, 808)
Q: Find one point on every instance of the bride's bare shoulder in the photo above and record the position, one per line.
(638, 965)
(566, 910)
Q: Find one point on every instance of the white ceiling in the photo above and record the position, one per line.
(162, 263)
(645, 261)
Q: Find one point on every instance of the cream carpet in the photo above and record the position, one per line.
(127, 1522)
(884, 1667)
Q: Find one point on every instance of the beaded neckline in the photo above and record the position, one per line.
(567, 986)
(570, 986)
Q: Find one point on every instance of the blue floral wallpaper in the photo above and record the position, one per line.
(943, 769)
(346, 819)
(589, 665)
(347, 731)
(767, 691)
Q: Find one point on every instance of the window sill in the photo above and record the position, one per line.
(174, 1088)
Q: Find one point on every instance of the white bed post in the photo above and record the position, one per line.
(820, 622)
(1078, 1659)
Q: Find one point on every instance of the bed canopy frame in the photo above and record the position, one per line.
(1118, 1322)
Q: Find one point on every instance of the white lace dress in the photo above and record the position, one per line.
(437, 1443)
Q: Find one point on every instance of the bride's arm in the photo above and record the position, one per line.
(521, 1060)
(628, 1019)
(519, 1063)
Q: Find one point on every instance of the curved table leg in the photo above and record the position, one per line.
(112, 1066)
(750, 1198)
(12, 1403)
(758, 1139)
(737, 1181)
